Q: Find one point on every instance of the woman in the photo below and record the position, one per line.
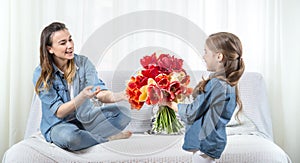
(65, 83)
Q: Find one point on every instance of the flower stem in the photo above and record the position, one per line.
(166, 121)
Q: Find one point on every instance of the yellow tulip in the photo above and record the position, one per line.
(144, 89)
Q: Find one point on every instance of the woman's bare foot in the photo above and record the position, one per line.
(121, 135)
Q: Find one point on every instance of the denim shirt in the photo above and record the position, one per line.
(206, 118)
(58, 92)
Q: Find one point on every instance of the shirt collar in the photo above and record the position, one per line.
(56, 69)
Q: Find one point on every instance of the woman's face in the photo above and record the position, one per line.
(62, 46)
(211, 59)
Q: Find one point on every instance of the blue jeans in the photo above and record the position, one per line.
(74, 135)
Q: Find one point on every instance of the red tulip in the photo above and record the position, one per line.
(151, 72)
(162, 81)
(154, 94)
(147, 61)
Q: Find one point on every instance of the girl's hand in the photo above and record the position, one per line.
(173, 105)
(166, 103)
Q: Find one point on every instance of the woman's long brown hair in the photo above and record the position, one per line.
(230, 46)
(46, 59)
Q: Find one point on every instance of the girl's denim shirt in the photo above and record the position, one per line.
(58, 92)
(206, 118)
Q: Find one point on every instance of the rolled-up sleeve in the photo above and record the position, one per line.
(51, 100)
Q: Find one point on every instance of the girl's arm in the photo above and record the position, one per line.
(190, 112)
(214, 95)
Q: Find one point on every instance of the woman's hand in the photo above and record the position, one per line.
(87, 92)
(111, 97)
(123, 96)
(70, 106)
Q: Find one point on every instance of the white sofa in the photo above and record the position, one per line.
(252, 141)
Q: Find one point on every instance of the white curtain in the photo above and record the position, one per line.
(268, 30)
(19, 42)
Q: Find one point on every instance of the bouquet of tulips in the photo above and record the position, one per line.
(162, 79)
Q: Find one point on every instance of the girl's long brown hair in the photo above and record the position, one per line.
(46, 59)
(230, 46)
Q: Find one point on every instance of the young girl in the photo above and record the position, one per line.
(215, 99)
(65, 83)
